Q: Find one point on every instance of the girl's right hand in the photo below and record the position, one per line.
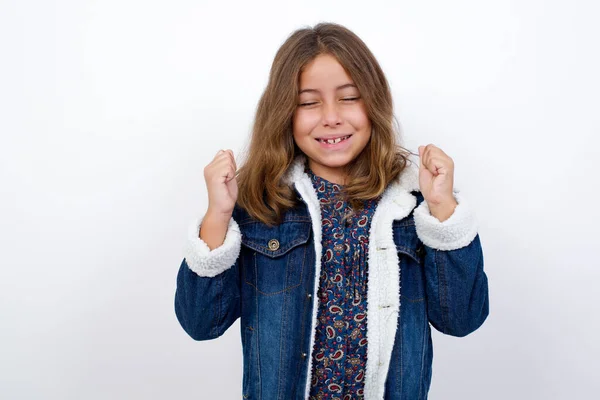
(221, 184)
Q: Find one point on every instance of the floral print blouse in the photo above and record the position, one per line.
(340, 349)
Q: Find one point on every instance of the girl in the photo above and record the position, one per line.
(337, 252)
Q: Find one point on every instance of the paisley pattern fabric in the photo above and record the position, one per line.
(340, 348)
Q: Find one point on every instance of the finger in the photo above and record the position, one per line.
(218, 155)
(230, 174)
(225, 154)
(430, 151)
(223, 165)
(228, 156)
(426, 157)
(232, 156)
(219, 168)
(436, 151)
(438, 165)
(222, 175)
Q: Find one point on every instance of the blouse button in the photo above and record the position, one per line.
(273, 244)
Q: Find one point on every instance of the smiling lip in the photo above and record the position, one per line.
(333, 140)
(339, 143)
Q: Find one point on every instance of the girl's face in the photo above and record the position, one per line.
(330, 124)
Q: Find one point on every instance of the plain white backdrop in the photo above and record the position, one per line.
(109, 111)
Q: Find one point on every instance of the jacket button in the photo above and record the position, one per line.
(309, 295)
(273, 244)
(303, 355)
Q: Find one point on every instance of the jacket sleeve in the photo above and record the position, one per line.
(456, 285)
(207, 298)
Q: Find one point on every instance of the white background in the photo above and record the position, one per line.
(109, 111)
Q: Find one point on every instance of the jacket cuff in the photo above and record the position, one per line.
(206, 262)
(457, 231)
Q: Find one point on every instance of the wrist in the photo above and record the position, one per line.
(217, 215)
(443, 211)
(213, 228)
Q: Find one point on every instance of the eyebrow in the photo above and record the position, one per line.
(347, 85)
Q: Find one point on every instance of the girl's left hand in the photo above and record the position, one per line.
(436, 181)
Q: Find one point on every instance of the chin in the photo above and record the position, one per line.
(337, 159)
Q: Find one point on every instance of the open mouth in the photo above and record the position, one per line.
(334, 140)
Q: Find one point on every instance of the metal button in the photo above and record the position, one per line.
(303, 355)
(309, 295)
(273, 244)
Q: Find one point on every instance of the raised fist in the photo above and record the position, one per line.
(221, 183)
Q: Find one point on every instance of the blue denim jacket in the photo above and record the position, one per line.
(422, 272)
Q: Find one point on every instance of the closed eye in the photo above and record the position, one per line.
(312, 103)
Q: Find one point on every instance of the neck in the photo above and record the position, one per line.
(335, 175)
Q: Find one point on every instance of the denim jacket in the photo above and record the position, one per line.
(421, 272)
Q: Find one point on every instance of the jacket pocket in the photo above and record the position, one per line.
(274, 257)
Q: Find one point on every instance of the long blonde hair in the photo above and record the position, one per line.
(272, 150)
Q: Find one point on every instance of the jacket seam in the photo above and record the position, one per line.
(425, 322)
(257, 333)
(442, 290)
(218, 321)
(282, 340)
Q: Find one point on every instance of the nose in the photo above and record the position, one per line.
(331, 115)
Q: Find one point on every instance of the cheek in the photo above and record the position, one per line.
(304, 122)
(358, 118)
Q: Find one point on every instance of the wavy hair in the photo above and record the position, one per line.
(271, 152)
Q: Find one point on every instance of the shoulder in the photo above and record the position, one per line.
(240, 215)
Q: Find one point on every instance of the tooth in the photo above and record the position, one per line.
(334, 141)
